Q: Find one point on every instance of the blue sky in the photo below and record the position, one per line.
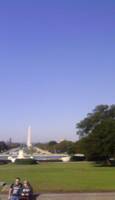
(57, 63)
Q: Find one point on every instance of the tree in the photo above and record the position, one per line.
(3, 146)
(52, 146)
(100, 144)
(98, 129)
(100, 113)
(65, 147)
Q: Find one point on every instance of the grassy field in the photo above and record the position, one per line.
(62, 177)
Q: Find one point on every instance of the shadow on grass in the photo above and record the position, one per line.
(35, 196)
(103, 164)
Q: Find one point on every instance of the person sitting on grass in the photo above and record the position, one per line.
(15, 190)
(27, 191)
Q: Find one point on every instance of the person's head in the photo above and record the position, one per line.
(26, 183)
(17, 180)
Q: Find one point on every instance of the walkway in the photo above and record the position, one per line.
(73, 196)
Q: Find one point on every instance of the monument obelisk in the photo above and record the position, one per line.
(29, 137)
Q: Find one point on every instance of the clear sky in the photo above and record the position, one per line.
(57, 62)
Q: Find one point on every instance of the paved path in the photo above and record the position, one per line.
(78, 196)
(73, 196)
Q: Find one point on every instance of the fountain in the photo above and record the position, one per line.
(21, 154)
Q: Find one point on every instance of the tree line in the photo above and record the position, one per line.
(64, 146)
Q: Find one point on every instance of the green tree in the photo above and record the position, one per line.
(100, 144)
(52, 143)
(98, 129)
(100, 113)
(52, 146)
(64, 146)
(3, 146)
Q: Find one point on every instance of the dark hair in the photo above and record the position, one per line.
(18, 178)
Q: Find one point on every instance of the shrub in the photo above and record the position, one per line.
(2, 162)
(25, 161)
(77, 158)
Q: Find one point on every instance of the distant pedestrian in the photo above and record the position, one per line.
(27, 191)
(15, 190)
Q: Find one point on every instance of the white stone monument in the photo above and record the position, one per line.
(29, 138)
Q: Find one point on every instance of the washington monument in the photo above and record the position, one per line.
(29, 137)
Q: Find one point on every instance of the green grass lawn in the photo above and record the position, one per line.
(62, 177)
